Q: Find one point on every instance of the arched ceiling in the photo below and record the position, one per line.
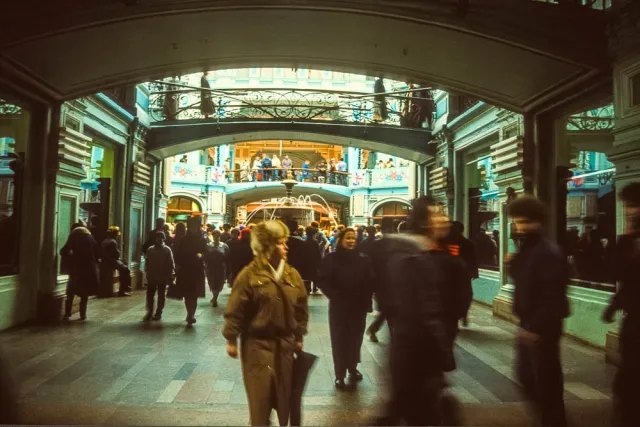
(252, 192)
(167, 141)
(515, 54)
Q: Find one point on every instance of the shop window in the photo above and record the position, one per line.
(182, 208)
(483, 207)
(389, 215)
(591, 220)
(14, 134)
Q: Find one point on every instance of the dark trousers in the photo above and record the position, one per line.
(161, 288)
(125, 277)
(68, 304)
(625, 383)
(416, 383)
(346, 326)
(191, 304)
(540, 375)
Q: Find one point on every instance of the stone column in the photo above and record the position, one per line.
(49, 302)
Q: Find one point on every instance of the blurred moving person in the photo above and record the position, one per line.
(627, 299)
(408, 291)
(540, 275)
(466, 250)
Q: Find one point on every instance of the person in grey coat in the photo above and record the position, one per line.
(160, 270)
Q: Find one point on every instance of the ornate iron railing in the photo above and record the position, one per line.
(176, 101)
(596, 119)
(9, 109)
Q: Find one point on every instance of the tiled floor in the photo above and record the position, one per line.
(115, 369)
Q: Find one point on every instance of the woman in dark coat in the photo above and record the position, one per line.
(80, 259)
(189, 257)
(346, 278)
(240, 254)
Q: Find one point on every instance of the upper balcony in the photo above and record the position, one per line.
(396, 177)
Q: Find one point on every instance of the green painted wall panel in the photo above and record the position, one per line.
(485, 289)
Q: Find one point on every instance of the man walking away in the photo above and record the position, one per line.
(627, 299)
(111, 261)
(160, 270)
(540, 274)
(216, 260)
(466, 250)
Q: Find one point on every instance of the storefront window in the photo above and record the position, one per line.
(14, 133)
(483, 211)
(591, 220)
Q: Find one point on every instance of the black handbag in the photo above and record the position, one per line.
(173, 292)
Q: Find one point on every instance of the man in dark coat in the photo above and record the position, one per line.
(408, 292)
(189, 259)
(627, 299)
(240, 254)
(111, 261)
(466, 250)
(540, 276)
(151, 239)
(80, 254)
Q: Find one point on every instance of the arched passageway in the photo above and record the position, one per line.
(496, 50)
(181, 208)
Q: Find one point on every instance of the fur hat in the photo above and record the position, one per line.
(266, 235)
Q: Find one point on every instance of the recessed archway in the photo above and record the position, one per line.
(524, 64)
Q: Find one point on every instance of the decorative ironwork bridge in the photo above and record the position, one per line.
(169, 101)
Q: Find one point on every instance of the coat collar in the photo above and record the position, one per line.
(262, 269)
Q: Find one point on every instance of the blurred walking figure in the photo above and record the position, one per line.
(189, 253)
(627, 299)
(408, 292)
(111, 261)
(160, 271)
(80, 255)
(540, 274)
(346, 278)
(466, 250)
(216, 261)
(268, 312)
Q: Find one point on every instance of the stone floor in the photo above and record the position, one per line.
(115, 369)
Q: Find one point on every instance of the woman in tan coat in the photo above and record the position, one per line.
(268, 311)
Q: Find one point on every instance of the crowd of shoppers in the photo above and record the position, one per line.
(420, 277)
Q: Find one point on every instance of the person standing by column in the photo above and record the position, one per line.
(189, 254)
(627, 299)
(342, 175)
(80, 255)
(111, 261)
(268, 311)
(346, 278)
(216, 261)
(160, 270)
(540, 275)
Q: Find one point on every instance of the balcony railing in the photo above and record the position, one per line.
(380, 178)
(361, 178)
(177, 101)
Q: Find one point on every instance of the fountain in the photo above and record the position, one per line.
(288, 204)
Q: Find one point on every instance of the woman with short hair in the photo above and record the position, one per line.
(268, 311)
